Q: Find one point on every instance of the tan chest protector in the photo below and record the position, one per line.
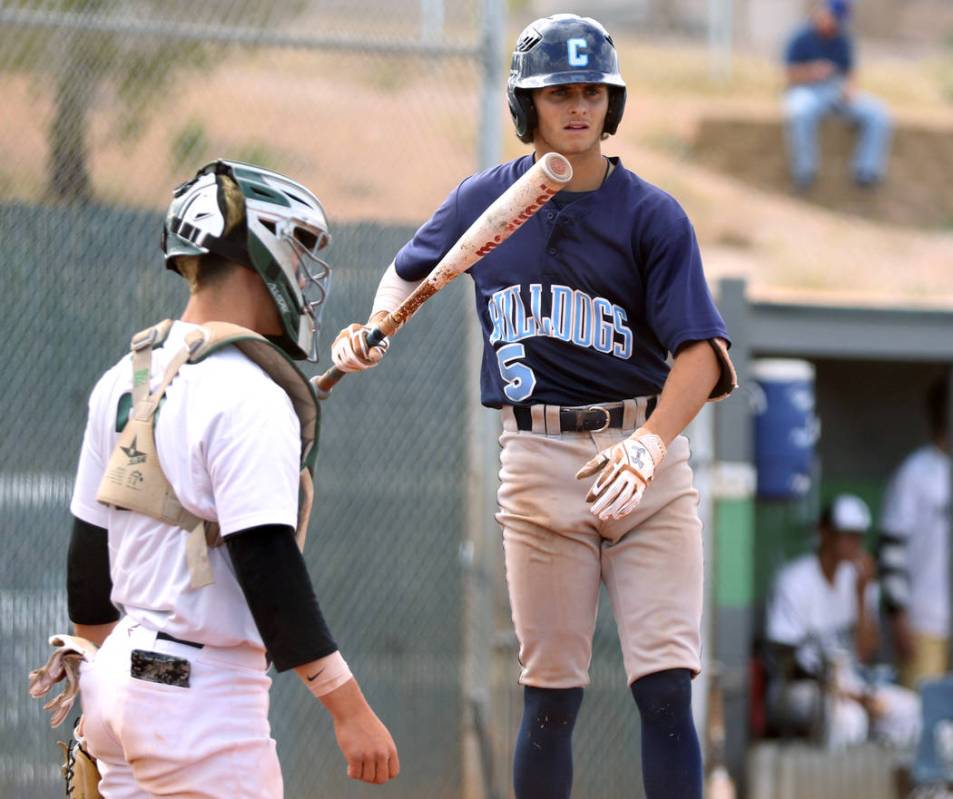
(134, 479)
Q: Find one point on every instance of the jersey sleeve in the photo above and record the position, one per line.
(432, 241)
(93, 460)
(901, 503)
(679, 307)
(252, 453)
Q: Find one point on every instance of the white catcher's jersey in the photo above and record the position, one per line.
(228, 442)
(917, 510)
(813, 615)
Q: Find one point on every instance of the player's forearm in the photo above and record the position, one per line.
(274, 579)
(695, 371)
(88, 583)
(866, 640)
(809, 72)
(391, 292)
(799, 73)
(346, 701)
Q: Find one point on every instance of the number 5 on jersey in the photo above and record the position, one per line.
(520, 380)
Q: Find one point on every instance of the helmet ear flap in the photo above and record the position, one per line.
(617, 95)
(523, 111)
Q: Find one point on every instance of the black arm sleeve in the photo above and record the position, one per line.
(88, 583)
(273, 576)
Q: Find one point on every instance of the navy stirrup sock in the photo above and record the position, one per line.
(671, 756)
(542, 762)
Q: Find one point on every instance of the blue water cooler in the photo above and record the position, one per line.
(786, 427)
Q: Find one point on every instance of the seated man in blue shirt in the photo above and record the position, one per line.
(820, 78)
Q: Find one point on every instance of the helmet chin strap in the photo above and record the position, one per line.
(227, 248)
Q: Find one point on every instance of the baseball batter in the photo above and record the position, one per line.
(191, 594)
(580, 310)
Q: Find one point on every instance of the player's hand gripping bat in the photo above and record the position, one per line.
(507, 213)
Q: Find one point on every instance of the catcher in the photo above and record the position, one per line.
(185, 565)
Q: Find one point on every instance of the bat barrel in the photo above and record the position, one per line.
(523, 199)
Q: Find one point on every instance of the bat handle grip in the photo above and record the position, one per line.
(323, 383)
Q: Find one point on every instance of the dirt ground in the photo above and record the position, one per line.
(386, 139)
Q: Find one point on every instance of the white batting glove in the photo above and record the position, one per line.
(626, 469)
(350, 352)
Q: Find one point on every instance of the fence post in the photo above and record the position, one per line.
(481, 552)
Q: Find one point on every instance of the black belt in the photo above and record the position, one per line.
(160, 636)
(580, 420)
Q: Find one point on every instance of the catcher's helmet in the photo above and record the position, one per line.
(563, 48)
(279, 234)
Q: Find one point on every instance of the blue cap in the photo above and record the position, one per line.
(840, 9)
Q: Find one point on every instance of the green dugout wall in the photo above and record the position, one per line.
(872, 368)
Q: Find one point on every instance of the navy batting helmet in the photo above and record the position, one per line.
(563, 48)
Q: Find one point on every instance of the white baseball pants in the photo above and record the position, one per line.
(210, 740)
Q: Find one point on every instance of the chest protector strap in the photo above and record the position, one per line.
(134, 479)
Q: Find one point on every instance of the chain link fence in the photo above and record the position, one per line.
(380, 108)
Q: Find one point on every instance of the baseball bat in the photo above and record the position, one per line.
(504, 216)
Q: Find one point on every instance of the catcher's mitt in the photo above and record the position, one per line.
(79, 770)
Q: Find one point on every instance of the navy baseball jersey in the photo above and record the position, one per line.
(808, 45)
(583, 303)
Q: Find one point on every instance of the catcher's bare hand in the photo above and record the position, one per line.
(368, 747)
(350, 352)
(363, 739)
(625, 470)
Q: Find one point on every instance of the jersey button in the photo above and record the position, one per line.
(552, 250)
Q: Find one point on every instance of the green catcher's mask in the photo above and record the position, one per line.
(279, 236)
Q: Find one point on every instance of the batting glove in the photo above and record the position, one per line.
(350, 352)
(626, 470)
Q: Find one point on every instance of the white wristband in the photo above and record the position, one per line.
(330, 672)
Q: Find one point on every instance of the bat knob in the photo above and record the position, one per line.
(323, 393)
(557, 167)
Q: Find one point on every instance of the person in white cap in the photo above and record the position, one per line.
(822, 621)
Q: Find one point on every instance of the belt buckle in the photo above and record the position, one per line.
(608, 420)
